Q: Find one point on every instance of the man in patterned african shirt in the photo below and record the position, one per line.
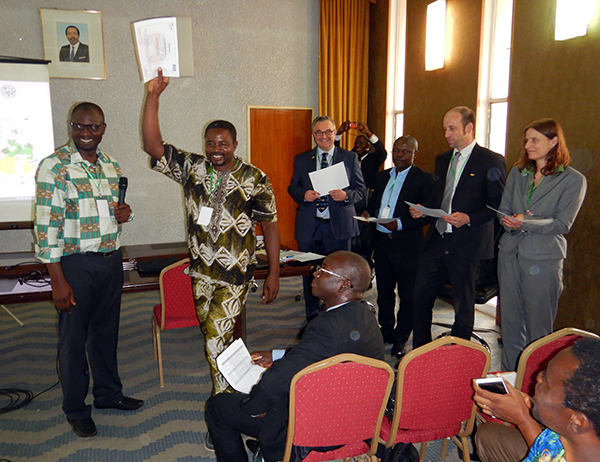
(77, 228)
(224, 198)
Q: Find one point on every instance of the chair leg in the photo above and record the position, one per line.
(444, 448)
(160, 364)
(154, 327)
(463, 445)
(423, 451)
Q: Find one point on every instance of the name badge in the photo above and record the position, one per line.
(204, 216)
(385, 213)
(102, 206)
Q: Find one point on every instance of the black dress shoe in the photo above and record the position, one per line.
(85, 428)
(398, 350)
(126, 404)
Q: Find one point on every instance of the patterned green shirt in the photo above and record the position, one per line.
(66, 212)
(224, 249)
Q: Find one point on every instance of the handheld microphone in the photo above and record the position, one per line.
(122, 189)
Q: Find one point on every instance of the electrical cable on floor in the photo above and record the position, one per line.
(19, 398)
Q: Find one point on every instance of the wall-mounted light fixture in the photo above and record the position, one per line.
(572, 18)
(435, 39)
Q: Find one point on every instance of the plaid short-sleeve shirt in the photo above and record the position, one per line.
(66, 211)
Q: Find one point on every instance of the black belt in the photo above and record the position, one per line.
(102, 254)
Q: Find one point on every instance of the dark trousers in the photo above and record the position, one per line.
(439, 261)
(323, 243)
(91, 328)
(227, 422)
(394, 271)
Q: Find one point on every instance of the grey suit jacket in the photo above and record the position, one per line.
(558, 197)
(341, 213)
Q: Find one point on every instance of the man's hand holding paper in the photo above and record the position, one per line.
(331, 180)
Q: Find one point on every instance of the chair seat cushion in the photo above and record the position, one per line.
(175, 322)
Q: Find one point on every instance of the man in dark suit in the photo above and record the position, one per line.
(324, 224)
(347, 326)
(398, 243)
(371, 156)
(76, 51)
(468, 178)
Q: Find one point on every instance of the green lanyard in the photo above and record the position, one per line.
(218, 182)
(532, 187)
(96, 181)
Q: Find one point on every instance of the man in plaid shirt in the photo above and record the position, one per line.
(77, 228)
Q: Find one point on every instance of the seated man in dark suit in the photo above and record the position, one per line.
(347, 326)
(76, 51)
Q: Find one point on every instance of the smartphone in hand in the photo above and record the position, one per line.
(493, 384)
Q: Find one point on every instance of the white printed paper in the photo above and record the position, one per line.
(437, 213)
(156, 42)
(375, 220)
(330, 178)
(235, 363)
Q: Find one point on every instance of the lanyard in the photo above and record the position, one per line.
(532, 187)
(392, 189)
(220, 178)
(96, 181)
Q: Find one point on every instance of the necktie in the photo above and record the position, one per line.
(321, 202)
(72, 52)
(440, 224)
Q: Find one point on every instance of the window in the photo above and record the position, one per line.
(494, 73)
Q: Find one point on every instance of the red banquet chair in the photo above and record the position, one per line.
(434, 395)
(176, 308)
(338, 401)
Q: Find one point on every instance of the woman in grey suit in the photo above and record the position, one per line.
(541, 186)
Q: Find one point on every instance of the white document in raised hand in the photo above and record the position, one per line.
(437, 213)
(156, 46)
(235, 363)
(330, 178)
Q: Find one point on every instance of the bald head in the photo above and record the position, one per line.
(352, 266)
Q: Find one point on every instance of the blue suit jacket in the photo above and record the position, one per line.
(341, 213)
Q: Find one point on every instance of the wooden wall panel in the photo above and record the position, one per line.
(276, 135)
(429, 94)
(560, 80)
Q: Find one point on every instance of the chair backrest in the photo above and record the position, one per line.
(434, 386)
(338, 401)
(538, 354)
(176, 296)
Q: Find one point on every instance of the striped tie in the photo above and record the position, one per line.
(72, 52)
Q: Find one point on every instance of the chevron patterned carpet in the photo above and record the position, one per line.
(170, 426)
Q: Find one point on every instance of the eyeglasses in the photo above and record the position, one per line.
(326, 132)
(92, 128)
(319, 268)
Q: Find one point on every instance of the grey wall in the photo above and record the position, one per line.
(246, 52)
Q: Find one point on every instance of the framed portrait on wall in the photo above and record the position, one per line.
(74, 44)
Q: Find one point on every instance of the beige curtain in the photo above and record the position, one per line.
(344, 61)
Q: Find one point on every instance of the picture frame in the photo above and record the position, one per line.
(74, 43)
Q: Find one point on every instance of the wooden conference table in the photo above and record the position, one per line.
(18, 265)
